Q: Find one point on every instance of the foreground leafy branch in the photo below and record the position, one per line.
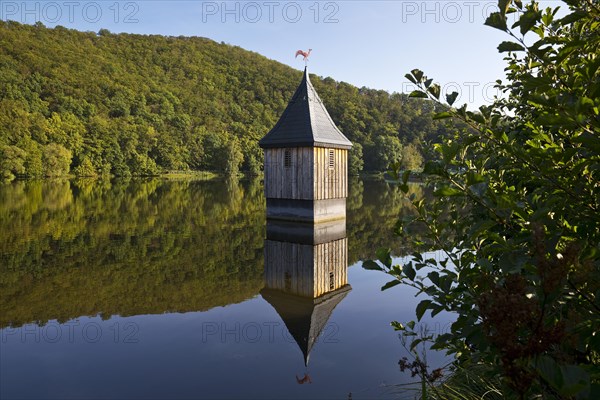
(516, 213)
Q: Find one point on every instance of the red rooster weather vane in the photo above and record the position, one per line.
(304, 55)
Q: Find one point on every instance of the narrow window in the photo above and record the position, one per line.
(331, 159)
(287, 158)
(331, 281)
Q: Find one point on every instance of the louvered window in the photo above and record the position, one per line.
(331, 159)
(331, 281)
(287, 158)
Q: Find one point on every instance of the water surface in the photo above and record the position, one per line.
(152, 289)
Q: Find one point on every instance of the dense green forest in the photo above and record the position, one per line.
(88, 104)
(70, 248)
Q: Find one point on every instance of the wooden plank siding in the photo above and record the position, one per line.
(309, 175)
(293, 182)
(306, 270)
(330, 183)
(331, 262)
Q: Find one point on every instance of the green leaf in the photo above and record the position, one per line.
(504, 5)
(434, 277)
(528, 20)
(449, 151)
(384, 256)
(509, 46)
(405, 177)
(496, 20)
(470, 140)
(445, 283)
(547, 18)
(411, 78)
(434, 168)
(448, 191)
(418, 94)
(434, 90)
(415, 343)
(477, 117)
(418, 74)
(397, 326)
(574, 16)
(479, 189)
(371, 265)
(550, 371)
(441, 341)
(451, 98)
(474, 178)
(588, 140)
(441, 115)
(575, 379)
(409, 271)
(436, 310)
(422, 307)
(390, 284)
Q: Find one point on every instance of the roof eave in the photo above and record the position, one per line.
(343, 146)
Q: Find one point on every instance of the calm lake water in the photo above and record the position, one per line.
(157, 289)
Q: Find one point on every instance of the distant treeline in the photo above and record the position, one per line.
(89, 103)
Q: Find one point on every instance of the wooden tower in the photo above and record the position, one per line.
(306, 162)
(305, 276)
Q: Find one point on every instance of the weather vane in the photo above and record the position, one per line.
(304, 54)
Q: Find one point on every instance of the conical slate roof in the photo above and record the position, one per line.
(304, 317)
(305, 123)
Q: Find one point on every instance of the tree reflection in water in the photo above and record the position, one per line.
(150, 246)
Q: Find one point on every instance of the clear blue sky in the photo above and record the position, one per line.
(366, 43)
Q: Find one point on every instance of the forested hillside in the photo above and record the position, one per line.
(89, 103)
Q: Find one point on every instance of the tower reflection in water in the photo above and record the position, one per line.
(306, 277)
